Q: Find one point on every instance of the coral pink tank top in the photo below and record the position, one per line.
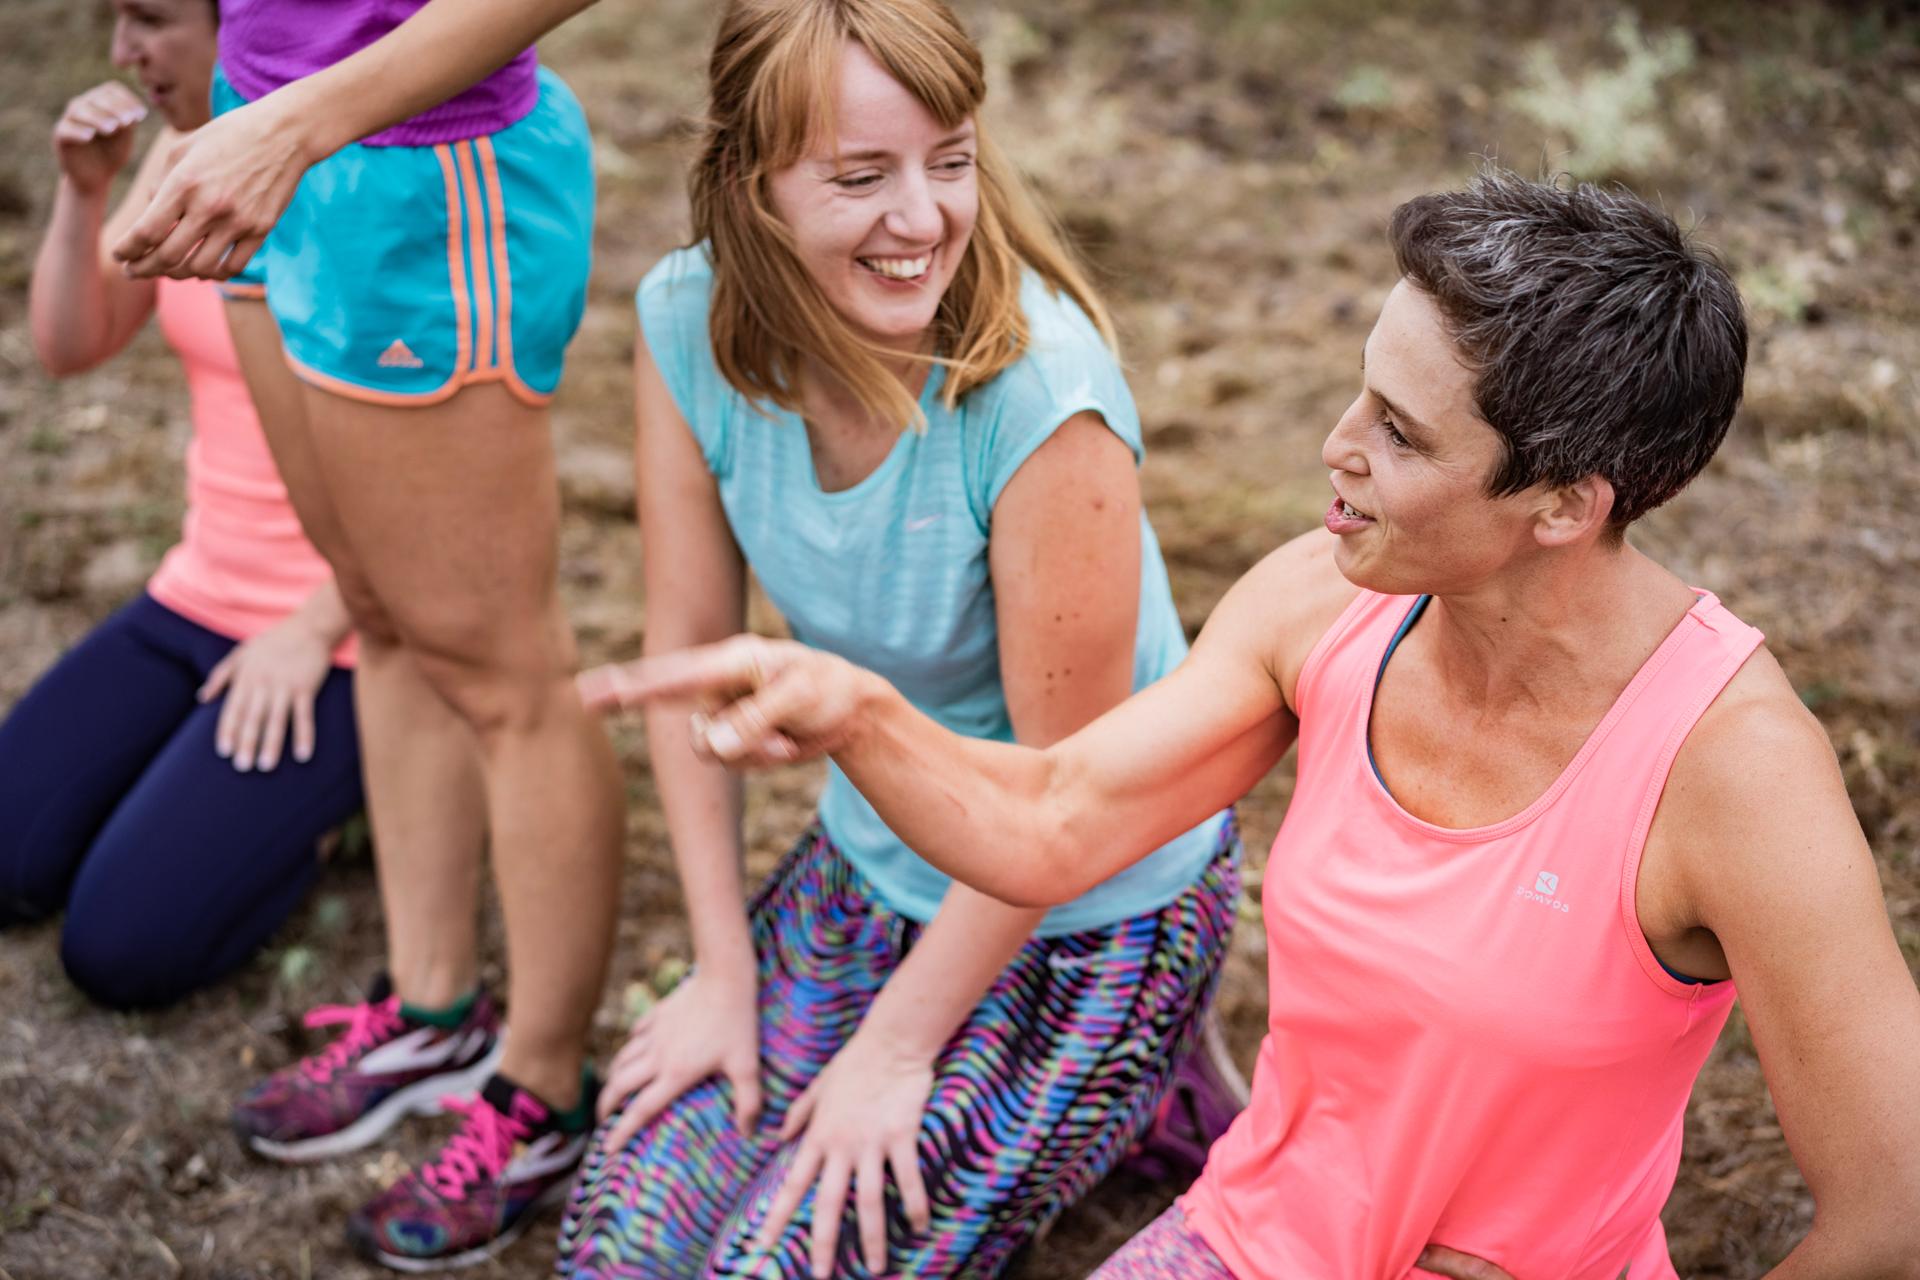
(1470, 1041)
(242, 563)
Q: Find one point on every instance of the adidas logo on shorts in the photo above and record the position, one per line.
(399, 356)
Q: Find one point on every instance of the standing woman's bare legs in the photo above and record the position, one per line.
(452, 511)
(425, 797)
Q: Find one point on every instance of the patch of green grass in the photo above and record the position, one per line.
(22, 1214)
(1367, 87)
(1610, 119)
(1776, 292)
(1819, 693)
(331, 914)
(668, 974)
(297, 967)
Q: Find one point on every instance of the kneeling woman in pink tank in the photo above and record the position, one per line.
(1553, 803)
(165, 782)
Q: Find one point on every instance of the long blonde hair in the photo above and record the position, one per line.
(772, 79)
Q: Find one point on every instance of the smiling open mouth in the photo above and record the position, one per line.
(1344, 518)
(898, 268)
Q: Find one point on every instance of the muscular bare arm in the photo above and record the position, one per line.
(1029, 827)
(1757, 844)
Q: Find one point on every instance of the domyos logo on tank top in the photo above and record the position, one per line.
(1545, 891)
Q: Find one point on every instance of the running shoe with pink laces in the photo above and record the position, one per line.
(512, 1157)
(384, 1067)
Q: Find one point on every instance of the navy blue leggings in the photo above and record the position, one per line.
(172, 866)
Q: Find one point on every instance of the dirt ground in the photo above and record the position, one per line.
(1229, 166)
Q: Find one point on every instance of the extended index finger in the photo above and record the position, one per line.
(724, 669)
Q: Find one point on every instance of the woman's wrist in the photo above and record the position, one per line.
(725, 955)
(323, 617)
(84, 198)
(873, 698)
(330, 629)
(901, 1034)
(315, 628)
(308, 119)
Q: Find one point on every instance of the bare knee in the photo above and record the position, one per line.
(497, 689)
(495, 702)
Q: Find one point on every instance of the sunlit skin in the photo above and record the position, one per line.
(894, 185)
(168, 45)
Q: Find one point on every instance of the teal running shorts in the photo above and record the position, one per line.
(399, 275)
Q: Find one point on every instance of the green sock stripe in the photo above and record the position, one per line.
(447, 1017)
(581, 1117)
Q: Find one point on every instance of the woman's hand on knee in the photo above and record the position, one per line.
(766, 702)
(860, 1116)
(270, 683)
(707, 1026)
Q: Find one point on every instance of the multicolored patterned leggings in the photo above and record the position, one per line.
(1037, 1096)
(1168, 1249)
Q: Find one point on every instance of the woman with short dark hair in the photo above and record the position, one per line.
(1552, 802)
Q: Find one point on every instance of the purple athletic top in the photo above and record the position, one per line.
(267, 43)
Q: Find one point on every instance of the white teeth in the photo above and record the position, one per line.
(900, 268)
(1352, 512)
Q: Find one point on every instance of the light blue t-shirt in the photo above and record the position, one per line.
(892, 574)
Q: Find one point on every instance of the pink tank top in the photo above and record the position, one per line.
(242, 563)
(1470, 1041)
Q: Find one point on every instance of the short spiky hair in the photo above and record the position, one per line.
(1603, 341)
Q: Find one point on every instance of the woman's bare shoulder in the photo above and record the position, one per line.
(1279, 610)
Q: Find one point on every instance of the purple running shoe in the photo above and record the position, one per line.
(1207, 1092)
(510, 1158)
(383, 1068)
